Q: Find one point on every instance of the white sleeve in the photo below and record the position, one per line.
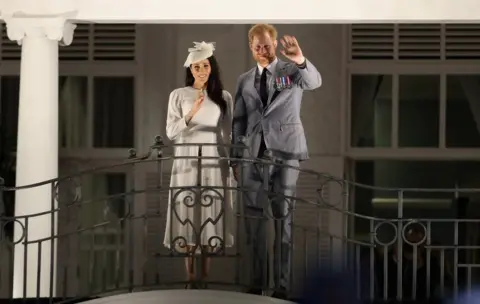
(227, 119)
(176, 123)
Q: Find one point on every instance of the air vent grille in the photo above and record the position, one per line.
(94, 42)
(415, 42)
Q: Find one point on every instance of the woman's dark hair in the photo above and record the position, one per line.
(214, 84)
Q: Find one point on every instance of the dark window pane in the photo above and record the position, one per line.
(419, 110)
(371, 110)
(73, 111)
(101, 205)
(96, 192)
(8, 143)
(463, 111)
(113, 112)
(395, 174)
(9, 124)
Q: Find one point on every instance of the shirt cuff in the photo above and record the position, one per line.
(184, 120)
(303, 65)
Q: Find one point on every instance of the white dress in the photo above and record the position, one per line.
(215, 204)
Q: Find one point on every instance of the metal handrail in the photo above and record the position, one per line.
(136, 254)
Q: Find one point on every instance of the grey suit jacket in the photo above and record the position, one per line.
(280, 119)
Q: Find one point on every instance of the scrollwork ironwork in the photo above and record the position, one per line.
(14, 222)
(376, 233)
(417, 229)
(71, 188)
(196, 197)
(326, 188)
(135, 238)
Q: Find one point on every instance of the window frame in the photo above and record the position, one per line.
(91, 70)
(74, 259)
(396, 68)
(94, 248)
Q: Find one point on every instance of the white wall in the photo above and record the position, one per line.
(163, 57)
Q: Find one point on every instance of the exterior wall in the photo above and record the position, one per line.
(163, 56)
(160, 53)
(161, 50)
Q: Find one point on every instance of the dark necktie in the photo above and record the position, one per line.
(264, 97)
(263, 87)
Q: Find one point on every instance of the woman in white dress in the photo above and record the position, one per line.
(200, 215)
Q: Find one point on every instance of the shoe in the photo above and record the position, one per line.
(191, 285)
(255, 291)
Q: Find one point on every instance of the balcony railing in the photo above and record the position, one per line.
(113, 243)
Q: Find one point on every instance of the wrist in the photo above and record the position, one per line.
(191, 113)
(301, 61)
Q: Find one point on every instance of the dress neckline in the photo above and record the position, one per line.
(204, 91)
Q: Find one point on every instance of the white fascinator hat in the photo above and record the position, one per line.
(200, 51)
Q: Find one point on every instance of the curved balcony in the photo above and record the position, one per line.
(112, 246)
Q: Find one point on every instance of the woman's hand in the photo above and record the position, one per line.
(195, 108)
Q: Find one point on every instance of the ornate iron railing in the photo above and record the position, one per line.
(113, 243)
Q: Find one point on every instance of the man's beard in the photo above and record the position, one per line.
(265, 59)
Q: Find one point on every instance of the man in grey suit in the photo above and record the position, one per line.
(267, 115)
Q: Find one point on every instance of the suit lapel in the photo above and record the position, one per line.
(272, 91)
(251, 84)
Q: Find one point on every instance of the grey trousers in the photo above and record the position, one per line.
(280, 181)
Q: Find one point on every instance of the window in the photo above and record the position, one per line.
(9, 115)
(73, 109)
(105, 121)
(113, 112)
(102, 247)
(419, 109)
(463, 111)
(394, 174)
(429, 75)
(412, 110)
(414, 122)
(371, 110)
(8, 142)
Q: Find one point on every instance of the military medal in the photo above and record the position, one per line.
(277, 84)
(283, 82)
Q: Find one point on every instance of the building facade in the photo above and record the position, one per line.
(396, 99)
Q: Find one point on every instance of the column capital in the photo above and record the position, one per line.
(54, 28)
(39, 18)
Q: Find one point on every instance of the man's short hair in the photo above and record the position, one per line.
(261, 29)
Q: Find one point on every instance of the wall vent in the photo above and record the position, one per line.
(372, 41)
(419, 41)
(415, 42)
(462, 41)
(92, 42)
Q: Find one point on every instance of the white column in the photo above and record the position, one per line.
(37, 151)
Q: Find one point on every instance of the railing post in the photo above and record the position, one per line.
(400, 245)
(2, 201)
(159, 148)
(266, 169)
(131, 251)
(6, 265)
(240, 212)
